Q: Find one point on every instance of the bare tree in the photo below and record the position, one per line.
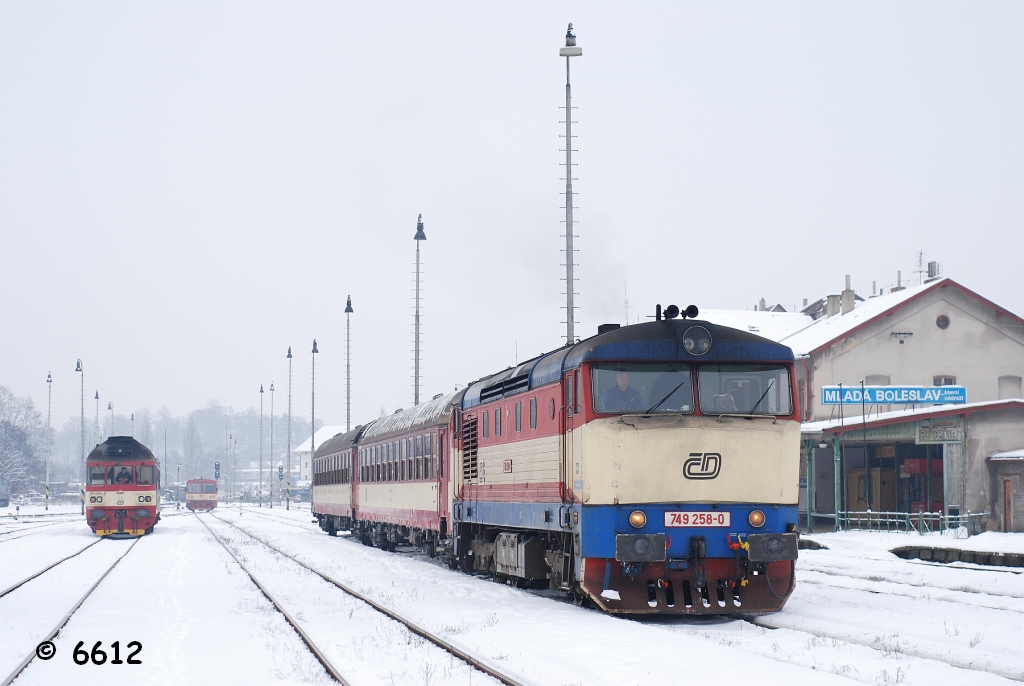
(21, 439)
(192, 459)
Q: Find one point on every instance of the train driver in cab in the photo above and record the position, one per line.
(621, 397)
(123, 476)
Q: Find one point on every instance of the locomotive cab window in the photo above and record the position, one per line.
(642, 388)
(146, 477)
(745, 389)
(96, 476)
(120, 475)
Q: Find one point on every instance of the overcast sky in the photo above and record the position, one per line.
(187, 188)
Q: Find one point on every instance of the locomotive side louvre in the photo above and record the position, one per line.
(122, 488)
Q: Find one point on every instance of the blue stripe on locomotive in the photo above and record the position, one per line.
(600, 524)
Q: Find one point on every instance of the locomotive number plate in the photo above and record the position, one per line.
(682, 519)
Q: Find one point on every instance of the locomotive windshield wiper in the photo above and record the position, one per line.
(762, 396)
(670, 394)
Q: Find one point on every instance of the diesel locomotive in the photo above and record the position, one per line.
(122, 489)
(652, 468)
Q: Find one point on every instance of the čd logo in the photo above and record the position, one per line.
(702, 466)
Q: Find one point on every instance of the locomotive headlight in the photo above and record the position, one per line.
(92, 499)
(142, 499)
(756, 518)
(697, 340)
(99, 499)
(149, 498)
(637, 519)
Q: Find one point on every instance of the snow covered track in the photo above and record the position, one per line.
(471, 660)
(46, 569)
(31, 651)
(288, 618)
(29, 529)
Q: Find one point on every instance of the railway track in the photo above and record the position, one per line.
(29, 530)
(440, 642)
(46, 569)
(67, 616)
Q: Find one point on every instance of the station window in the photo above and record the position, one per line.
(533, 413)
(944, 381)
(519, 416)
(497, 421)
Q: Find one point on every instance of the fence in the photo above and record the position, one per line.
(958, 526)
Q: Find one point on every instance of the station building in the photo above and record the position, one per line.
(951, 459)
(304, 453)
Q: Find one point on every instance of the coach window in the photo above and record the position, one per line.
(419, 456)
(519, 416)
(487, 423)
(497, 421)
(440, 455)
(427, 462)
(533, 413)
(95, 476)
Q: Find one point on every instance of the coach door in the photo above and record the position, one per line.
(442, 478)
(573, 419)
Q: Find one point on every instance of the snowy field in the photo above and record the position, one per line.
(859, 614)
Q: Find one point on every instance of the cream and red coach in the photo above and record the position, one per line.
(122, 491)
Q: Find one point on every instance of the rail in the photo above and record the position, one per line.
(958, 526)
(67, 617)
(409, 624)
(46, 569)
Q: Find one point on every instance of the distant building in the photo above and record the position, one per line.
(304, 452)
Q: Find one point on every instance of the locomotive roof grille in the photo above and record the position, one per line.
(121, 448)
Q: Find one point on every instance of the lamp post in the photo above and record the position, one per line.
(420, 236)
(271, 445)
(348, 364)
(312, 412)
(227, 445)
(133, 425)
(261, 445)
(288, 449)
(110, 406)
(96, 430)
(570, 50)
(177, 489)
(78, 368)
(49, 436)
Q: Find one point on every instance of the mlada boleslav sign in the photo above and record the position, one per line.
(893, 395)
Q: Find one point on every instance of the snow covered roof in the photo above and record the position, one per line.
(771, 325)
(853, 421)
(1008, 455)
(425, 414)
(321, 435)
(827, 329)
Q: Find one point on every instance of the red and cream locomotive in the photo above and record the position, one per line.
(122, 491)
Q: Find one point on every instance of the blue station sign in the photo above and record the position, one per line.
(893, 395)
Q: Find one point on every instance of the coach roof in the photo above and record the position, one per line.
(339, 442)
(429, 414)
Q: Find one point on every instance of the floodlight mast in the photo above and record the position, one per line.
(570, 50)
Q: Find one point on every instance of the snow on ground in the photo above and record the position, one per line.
(179, 594)
(859, 614)
(536, 639)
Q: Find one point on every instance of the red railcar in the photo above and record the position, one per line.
(201, 494)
